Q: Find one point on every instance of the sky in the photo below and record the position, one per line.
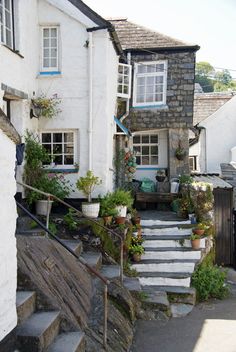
(209, 23)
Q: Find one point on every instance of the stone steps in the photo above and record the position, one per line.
(187, 267)
(164, 281)
(76, 246)
(39, 331)
(94, 259)
(170, 253)
(182, 243)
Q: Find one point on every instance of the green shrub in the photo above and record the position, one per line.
(209, 282)
(87, 184)
(70, 220)
(121, 197)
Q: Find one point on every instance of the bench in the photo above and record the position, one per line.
(142, 198)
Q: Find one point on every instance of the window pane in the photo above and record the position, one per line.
(145, 150)
(8, 19)
(145, 160)
(137, 150)
(8, 38)
(158, 89)
(57, 148)
(68, 149)
(140, 81)
(54, 53)
(159, 79)
(140, 98)
(58, 159)
(138, 160)
(46, 137)
(150, 98)
(154, 139)
(140, 90)
(68, 137)
(53, 62)
(154, 150)
(46, 53)
(142, 68)
(154, 160)
(46, 43)
(120, 88)
(7, 4)
(160, 67)
(47, 147)
(136, 139)
(145, 139)
(150, 80)
(46, 32)
(151, 68)
(126, 90)
(68, 160)
(46, 63)
(57, 137)
(159, 97)
(54, 42)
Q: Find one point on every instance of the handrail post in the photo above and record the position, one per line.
(121, 260)
(105, 318)
(48, 212)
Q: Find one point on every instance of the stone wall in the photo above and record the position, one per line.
(8, 263)
(178, 111)
(178, 137)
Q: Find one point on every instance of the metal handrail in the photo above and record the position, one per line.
(51, 196)
(104, 280)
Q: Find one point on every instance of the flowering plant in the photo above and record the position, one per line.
(46, 107)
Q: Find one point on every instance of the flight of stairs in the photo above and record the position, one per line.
(167, 265)
(39, 331)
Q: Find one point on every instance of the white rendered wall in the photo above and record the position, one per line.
(8, 264)
(220, 136)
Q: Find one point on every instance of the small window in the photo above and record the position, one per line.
(6, 22)
(50, 49)
(150, 83)
(124, 81)
(61, 147)
(193, 163)
(145, 148)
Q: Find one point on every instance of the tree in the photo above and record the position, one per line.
(203, 74)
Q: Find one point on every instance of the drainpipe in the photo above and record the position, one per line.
(90, 122)
(127, 101)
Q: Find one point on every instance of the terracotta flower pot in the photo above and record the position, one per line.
(195, 243)
(107, 220)
(198, 232)
(120, 219)
(137, 220)
(137, 257)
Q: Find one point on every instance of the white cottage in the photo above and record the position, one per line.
(54, 48)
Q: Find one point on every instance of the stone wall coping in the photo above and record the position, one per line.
(8, 128)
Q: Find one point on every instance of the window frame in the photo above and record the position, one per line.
(195, 163)
(57, 67)
(151, 74)
(129, 75)
(75, 155)
(4, 28)
(143, 166)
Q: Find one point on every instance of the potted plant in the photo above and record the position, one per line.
(107, 209)
(87, 185)
(195, 241)
(180, 152)
(200, 229)
(136, 219)
(122, 199)
(45, 107)
(161, 175)
(136, 250)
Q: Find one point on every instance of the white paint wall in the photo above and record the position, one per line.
(8, 264)
(72, 86)
(218, 138)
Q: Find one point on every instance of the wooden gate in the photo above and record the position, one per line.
(224, 226)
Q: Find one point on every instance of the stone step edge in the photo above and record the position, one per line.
(168, 275)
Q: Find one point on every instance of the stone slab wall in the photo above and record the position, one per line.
(8, 263)
(178, 111)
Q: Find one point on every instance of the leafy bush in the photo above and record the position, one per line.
(121, 197)
(107, 206)
(209, 282)
(88, 183)
(70, 219)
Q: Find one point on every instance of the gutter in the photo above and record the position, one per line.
(90, 122)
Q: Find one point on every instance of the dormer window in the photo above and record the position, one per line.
(150, 82)
(6, 22)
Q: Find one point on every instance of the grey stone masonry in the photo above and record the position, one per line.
(178, 111)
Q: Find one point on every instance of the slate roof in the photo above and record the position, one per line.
(133, 36)
(215, 180)
(205, 104)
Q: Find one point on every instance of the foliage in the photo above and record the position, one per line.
(71, 221)
(185, 179)
(54, 184)
(201, 194)
(48, 106)
(52, 227)
(122, 197)
(107, 206)
(130, 165)
(136, 240)
(180, 153)
(209, 282)
(195, 237)
(88, 183)
(119, 166)
(136, 249)
(202, 226)
(129, 271)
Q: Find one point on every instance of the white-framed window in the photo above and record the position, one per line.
(124, 81)
(193, 163)
(6, 22)
(150, 83)
(50, 48)
(145, 147)
(61, 146)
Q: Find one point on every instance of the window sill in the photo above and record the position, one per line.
(13, 51)
(63, 171)
(49, 74)
(149, 107)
